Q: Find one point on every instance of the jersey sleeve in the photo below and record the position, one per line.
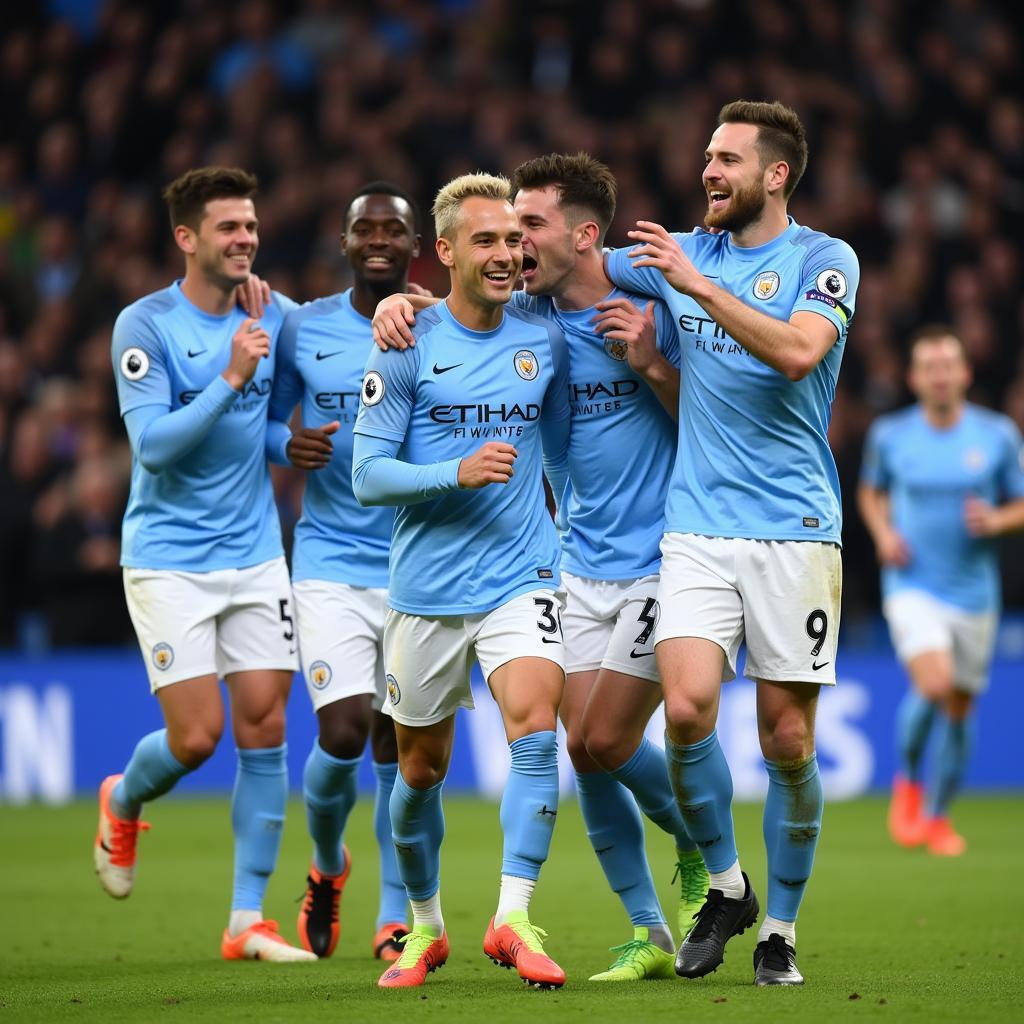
(873, 470)
(828, 283)
(642, 280)
(668, 333)
(288, 385)
(140, 362)
(1011, 477)
(388, 393)
(555, 416)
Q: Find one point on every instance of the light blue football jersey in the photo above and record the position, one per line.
(753, 458)
(323, 349)
(621, 447)
(214, 508)
(929, 473)
(470, 551)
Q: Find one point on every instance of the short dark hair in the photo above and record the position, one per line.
(936, 332)
(780, 134)
(186, 197)
(385, 188)
(583, 183)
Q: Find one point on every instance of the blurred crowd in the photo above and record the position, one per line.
(915, 114)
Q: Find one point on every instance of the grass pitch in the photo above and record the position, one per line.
(885, 934)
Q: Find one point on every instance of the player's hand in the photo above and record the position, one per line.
(311, 447)
(250, 344)
(490, 464)
(392, 320)
(253, 296)
(893, 549)
(657, 248)
(621, 321)
(981, 518)
(418, 289)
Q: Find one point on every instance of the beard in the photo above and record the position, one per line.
(745, 206)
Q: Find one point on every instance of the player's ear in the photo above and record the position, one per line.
(587, 235)
(416, 246)
(778, 175)
(185, 239)
(445, 253)
(343, 243)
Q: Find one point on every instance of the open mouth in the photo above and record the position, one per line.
(717, 199)
(378, 262)
(499, 278)
(529, 267)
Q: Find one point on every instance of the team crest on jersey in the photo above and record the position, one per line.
(616, 349)
(766, 285)
(832, 282)
(320, 674)
(373, 388)
(974, 459)
(526, 364)
(163, 654)
(134, 364)
(394, 693)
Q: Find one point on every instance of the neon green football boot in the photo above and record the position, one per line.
(639, 960)
(693, 887)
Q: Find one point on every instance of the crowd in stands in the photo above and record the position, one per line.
(915, 114)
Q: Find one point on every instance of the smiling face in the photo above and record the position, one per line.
(549, 254)
(225, 243)
(380, 241)
(485, 254)
(734, 179)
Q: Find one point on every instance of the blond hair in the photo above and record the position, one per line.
(449, 200)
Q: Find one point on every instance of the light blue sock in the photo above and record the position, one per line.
(914, 719)
(645, 775)
(392, 906)
(152, 771)
(529, 804)
(616, 831)
(329, 793)
(257, 818)
(702, 784)
(417, 828)
(792, 821)
(951, 757)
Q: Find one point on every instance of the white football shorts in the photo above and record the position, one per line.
(919, 622)
(610, 624)
(783, 597)
(341, 635)
(427, 661)
(193, 624)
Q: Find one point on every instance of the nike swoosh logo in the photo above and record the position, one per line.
(548, 640)
(642, 654)
(103, 846)
(327, 355)
(192, 354)
(445, 369)
(816, 666)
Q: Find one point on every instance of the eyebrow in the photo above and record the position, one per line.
(231, 223)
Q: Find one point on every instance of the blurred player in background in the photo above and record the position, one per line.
(751, 548)
(474, 562)
(340, 562)
(932, 481)
(624, 398)
(205, 577)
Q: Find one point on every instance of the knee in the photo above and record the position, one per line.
(262, 730)
(790, 739)
(421, 772)
(577, 748)
(384, 741)
(195, 745)
(343, 737)
(688, 719)
(608, 748)
(958, 705)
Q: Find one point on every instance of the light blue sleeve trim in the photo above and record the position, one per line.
(379, 478)
(160, 438)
